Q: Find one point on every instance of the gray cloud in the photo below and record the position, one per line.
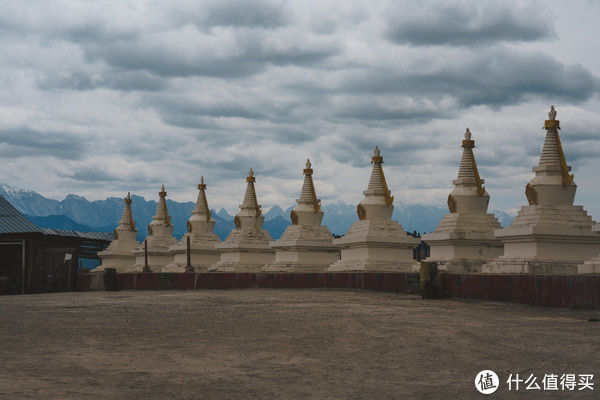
(94, 173)
(22, 141)
(248, 55)
(462, 23)
(161, 92)
(370, 109)
(116, 80)
(243, 13)
(499, 76)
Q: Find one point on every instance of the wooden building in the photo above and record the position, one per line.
(34, 259)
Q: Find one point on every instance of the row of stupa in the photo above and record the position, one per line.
(550, 235)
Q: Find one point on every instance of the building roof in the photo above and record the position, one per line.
(84, 235)
(12, 221)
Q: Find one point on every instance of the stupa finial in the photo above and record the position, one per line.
(552, 114)
(162, 192)
(128, 198)
(202, 185)
(251, 177)
(377, 159)
(308, 168)
(467, 141)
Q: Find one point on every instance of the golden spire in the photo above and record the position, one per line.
(377, 179)
(202, 203)
(127, 216)
(469, 167)
(161, 208)
(250, 200)
(553, 147)
(308, 193)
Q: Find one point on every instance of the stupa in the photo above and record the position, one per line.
(464, 239)
(550, 235)
(159, 240)
(375, 242)
(306, 245)
(246, 249)
(119, 254)
(199, 236)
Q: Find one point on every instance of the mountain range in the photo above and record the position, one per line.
(77, 213)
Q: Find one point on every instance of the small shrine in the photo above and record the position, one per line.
(550, 235)
(464, 239)
(154, 254)
(119, 254)
(375, 242)
(306, 245)
(247, 248)
(196, 250)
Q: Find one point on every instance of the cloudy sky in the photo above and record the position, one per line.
(101, 98)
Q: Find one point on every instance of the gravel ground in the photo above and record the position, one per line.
(269, 343)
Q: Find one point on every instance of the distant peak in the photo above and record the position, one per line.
(71, 196)
(9, 189)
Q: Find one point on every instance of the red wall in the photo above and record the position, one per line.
(552, 291)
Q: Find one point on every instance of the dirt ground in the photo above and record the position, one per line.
(271, 344)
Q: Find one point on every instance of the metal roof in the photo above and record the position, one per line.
(12, 221)
(84, 235)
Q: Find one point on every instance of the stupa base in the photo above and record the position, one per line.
(178, 268)
(473, 249)
(156, 261)
(374, 266)
(243, 259)
(459, 266)
(120, 262)
(200, 259)
(590, 267)
(303, 257)
(530, 266)
(296, 267)
(236, 267)
(375, 255)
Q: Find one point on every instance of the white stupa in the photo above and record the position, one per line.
(246, 249)
(375, 242)
(306, 245)
(550, 235)
(119, 254)
(159, 240)
(464, 238)
(202, 239)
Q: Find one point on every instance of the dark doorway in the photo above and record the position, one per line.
(11, 264)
